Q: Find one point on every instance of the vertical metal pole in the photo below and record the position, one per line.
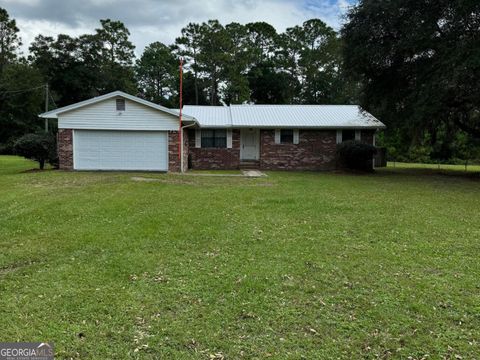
(180, 135)
(46, 107)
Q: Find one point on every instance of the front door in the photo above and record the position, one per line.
(249, 144)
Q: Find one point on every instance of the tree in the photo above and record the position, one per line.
(289, 52)
(269, 86)
(262, 41)
(418, 63)
(9, 39)
(190, 97)
(116, 56)
(156, 73)
(236, 90)
(38, 147)
(69, 65)
(188, 46)
(320, 64)
(86, 66)
(19, 106)
(213, 56)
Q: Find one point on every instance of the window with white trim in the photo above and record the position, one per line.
(348, 135)
(214, 138)
(286, 136)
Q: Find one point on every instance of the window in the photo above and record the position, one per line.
(214, 138)
(286, 136)
(348, 135)
(120, 104)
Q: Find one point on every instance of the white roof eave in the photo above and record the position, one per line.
(53, 114)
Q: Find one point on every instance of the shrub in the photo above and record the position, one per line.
(420, 154)
(38, 147)
(6, 148)
(355, 155)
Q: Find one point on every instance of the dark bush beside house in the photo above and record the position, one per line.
(6, 148)
(355, 155)
(38, 147)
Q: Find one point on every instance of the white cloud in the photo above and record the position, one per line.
(162, 20)
(29, 29)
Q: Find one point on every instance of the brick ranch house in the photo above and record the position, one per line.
(118, 131)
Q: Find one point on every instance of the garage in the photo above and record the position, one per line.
(118, 131)
(120, 150)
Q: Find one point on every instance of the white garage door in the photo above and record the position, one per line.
(120, 150)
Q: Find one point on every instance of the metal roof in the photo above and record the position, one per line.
(285, 116)
(212, 116)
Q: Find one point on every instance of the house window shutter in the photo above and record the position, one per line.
(198, 138)
(358, 135)
(339, 136)
(296, 136)
(277, 136)
(229, 138)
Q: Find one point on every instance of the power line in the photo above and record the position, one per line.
(21, 90)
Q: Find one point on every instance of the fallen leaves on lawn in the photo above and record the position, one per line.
(217, 356)
(247, 315)
(141, 347)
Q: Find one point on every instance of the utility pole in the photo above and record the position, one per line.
(180, 130)
(46, 106)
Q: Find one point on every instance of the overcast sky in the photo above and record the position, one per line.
(162, 20)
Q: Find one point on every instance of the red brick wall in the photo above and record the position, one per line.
(212, 158)
(367, 136)
(65, 149)
(173, 159)
(315, 151)
(186, 149)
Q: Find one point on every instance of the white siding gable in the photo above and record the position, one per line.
(104, 116)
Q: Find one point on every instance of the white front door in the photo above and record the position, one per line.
(249, 144)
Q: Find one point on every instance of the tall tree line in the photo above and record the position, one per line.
(224, 64)
(418, 64)
(414, 64)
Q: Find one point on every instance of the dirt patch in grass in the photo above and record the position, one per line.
(206, 181)
(16, 266)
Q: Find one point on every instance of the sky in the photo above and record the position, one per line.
(162, 20)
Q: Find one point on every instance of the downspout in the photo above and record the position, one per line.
(181, 146)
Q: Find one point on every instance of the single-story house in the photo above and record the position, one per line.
(118, 131)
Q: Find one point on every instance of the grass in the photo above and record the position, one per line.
(449, 167)
(293, 266)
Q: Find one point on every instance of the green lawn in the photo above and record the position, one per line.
(292, 266)
(401, 165)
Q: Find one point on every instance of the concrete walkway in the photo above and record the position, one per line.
(245, 173)
(253, 173)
